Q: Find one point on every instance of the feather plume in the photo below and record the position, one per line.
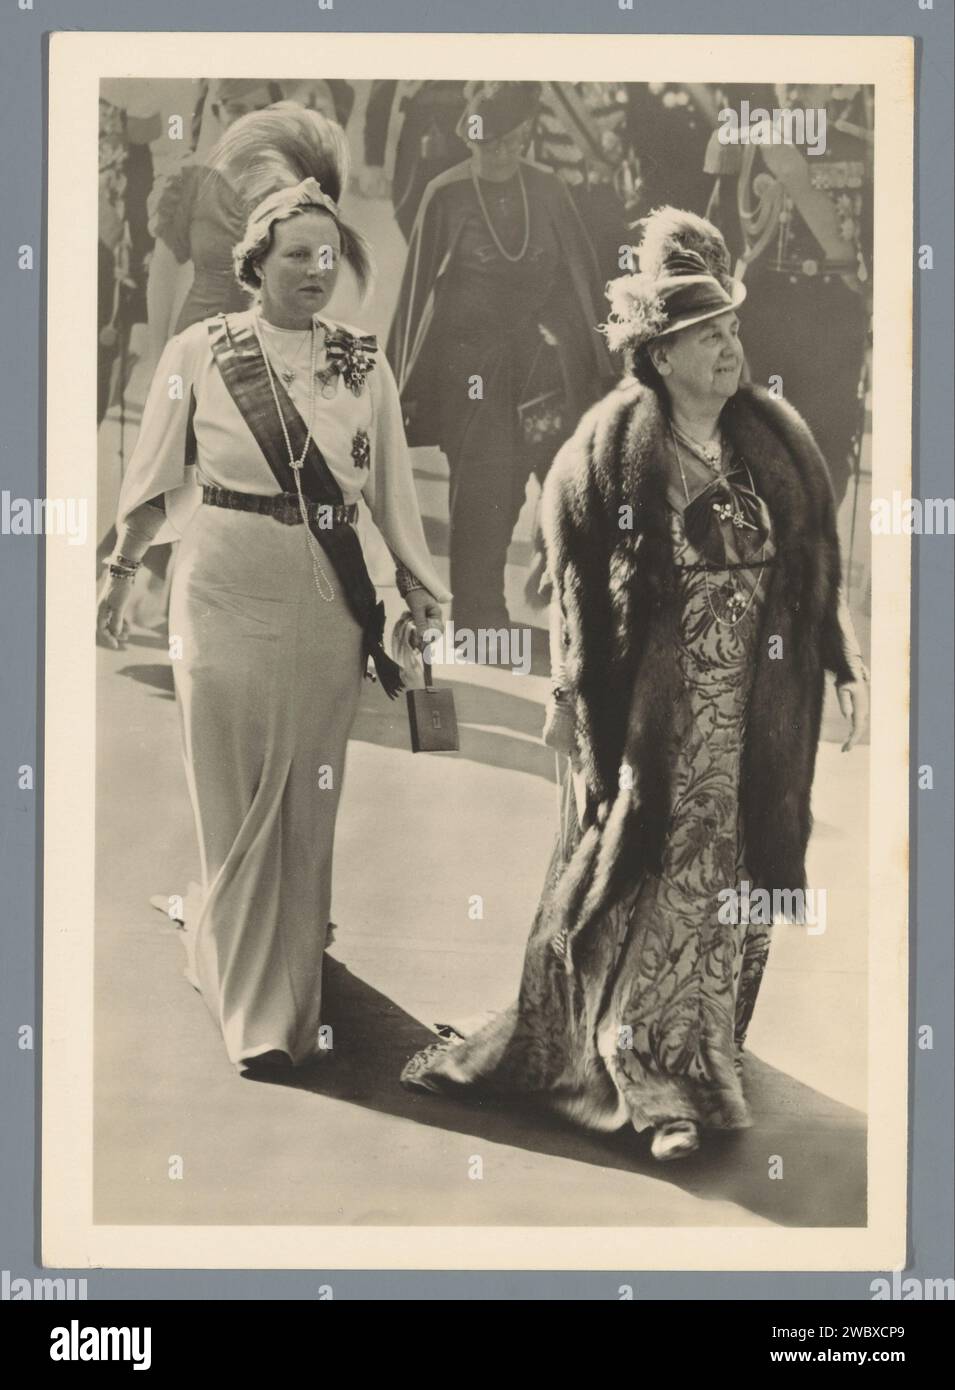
(670, 232)
(637, 313)
(278, 148)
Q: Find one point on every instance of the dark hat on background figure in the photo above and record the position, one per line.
(684, 278)
(234, 88)
(502, 107)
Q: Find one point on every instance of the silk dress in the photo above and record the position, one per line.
(267, 674)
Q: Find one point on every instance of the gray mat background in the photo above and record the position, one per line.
(23, 93)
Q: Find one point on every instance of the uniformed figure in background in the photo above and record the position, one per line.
(582, 135)
(128, 122)
(801, 227)
(668, 128)
(411, 137)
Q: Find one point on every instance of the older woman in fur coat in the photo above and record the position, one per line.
(690, 535)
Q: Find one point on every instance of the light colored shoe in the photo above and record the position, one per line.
(675, 1139)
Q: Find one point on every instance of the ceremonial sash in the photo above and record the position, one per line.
(235, 348)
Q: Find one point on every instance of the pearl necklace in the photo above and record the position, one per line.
(508, 256)
(322, 582)
(711, 454)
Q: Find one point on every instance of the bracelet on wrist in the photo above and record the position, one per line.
(117, 571)
(405, 581)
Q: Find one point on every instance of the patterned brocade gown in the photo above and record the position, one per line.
(648, 1023)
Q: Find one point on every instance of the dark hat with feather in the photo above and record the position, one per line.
(684, 278)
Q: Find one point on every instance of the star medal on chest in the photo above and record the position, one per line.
(361, 449)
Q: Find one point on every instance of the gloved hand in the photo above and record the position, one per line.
(560, 727)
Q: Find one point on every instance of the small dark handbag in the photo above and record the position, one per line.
(432, 718)
(542, 416)
(542, 419)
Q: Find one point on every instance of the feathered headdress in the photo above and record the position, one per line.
(279, 147)
(684, 278)
(286, 147)
(669, 232)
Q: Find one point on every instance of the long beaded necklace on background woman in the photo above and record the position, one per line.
(508, 255)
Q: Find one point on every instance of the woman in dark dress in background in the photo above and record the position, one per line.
(494, 342)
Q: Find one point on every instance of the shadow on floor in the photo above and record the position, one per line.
(821, 1142)
(158, 675)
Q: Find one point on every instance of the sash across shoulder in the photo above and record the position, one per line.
(238, 357)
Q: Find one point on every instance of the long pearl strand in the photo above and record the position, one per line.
(323, 584)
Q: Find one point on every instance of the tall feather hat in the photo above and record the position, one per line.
(684, 278)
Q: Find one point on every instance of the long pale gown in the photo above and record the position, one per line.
(267, 675)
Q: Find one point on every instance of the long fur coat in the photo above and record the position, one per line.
(620, 606)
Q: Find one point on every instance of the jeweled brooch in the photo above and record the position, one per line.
(352, 357)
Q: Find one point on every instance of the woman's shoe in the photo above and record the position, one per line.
(675, 1139)
(416, 1073)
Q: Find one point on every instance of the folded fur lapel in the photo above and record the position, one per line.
(620, 601)
(760, 448)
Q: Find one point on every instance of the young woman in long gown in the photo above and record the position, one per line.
(286, 418)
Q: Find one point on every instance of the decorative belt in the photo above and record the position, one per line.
(810, 268)
(283, 507)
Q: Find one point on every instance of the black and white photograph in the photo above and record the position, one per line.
(476, 651)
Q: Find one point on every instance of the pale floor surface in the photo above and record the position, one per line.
(417, 837)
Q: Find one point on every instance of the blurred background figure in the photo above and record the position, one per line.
(582, 135)
(494, 341)
(196, 217)
(129, 121)
(332, 97)
(668, 129)
(801, 228)
(410, 138)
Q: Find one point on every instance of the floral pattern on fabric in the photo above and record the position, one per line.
(649, 1022)
(685, 982)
